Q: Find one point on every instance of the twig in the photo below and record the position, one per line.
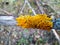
(40, 7)
(56, 35)
(5, 11)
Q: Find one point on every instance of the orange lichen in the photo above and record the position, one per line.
(39, 21)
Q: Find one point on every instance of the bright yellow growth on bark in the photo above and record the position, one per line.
(39, 21)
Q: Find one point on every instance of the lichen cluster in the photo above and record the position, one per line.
(39, 21)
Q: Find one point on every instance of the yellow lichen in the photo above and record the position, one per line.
(39, 21)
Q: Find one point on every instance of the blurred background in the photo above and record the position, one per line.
(14, 35)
